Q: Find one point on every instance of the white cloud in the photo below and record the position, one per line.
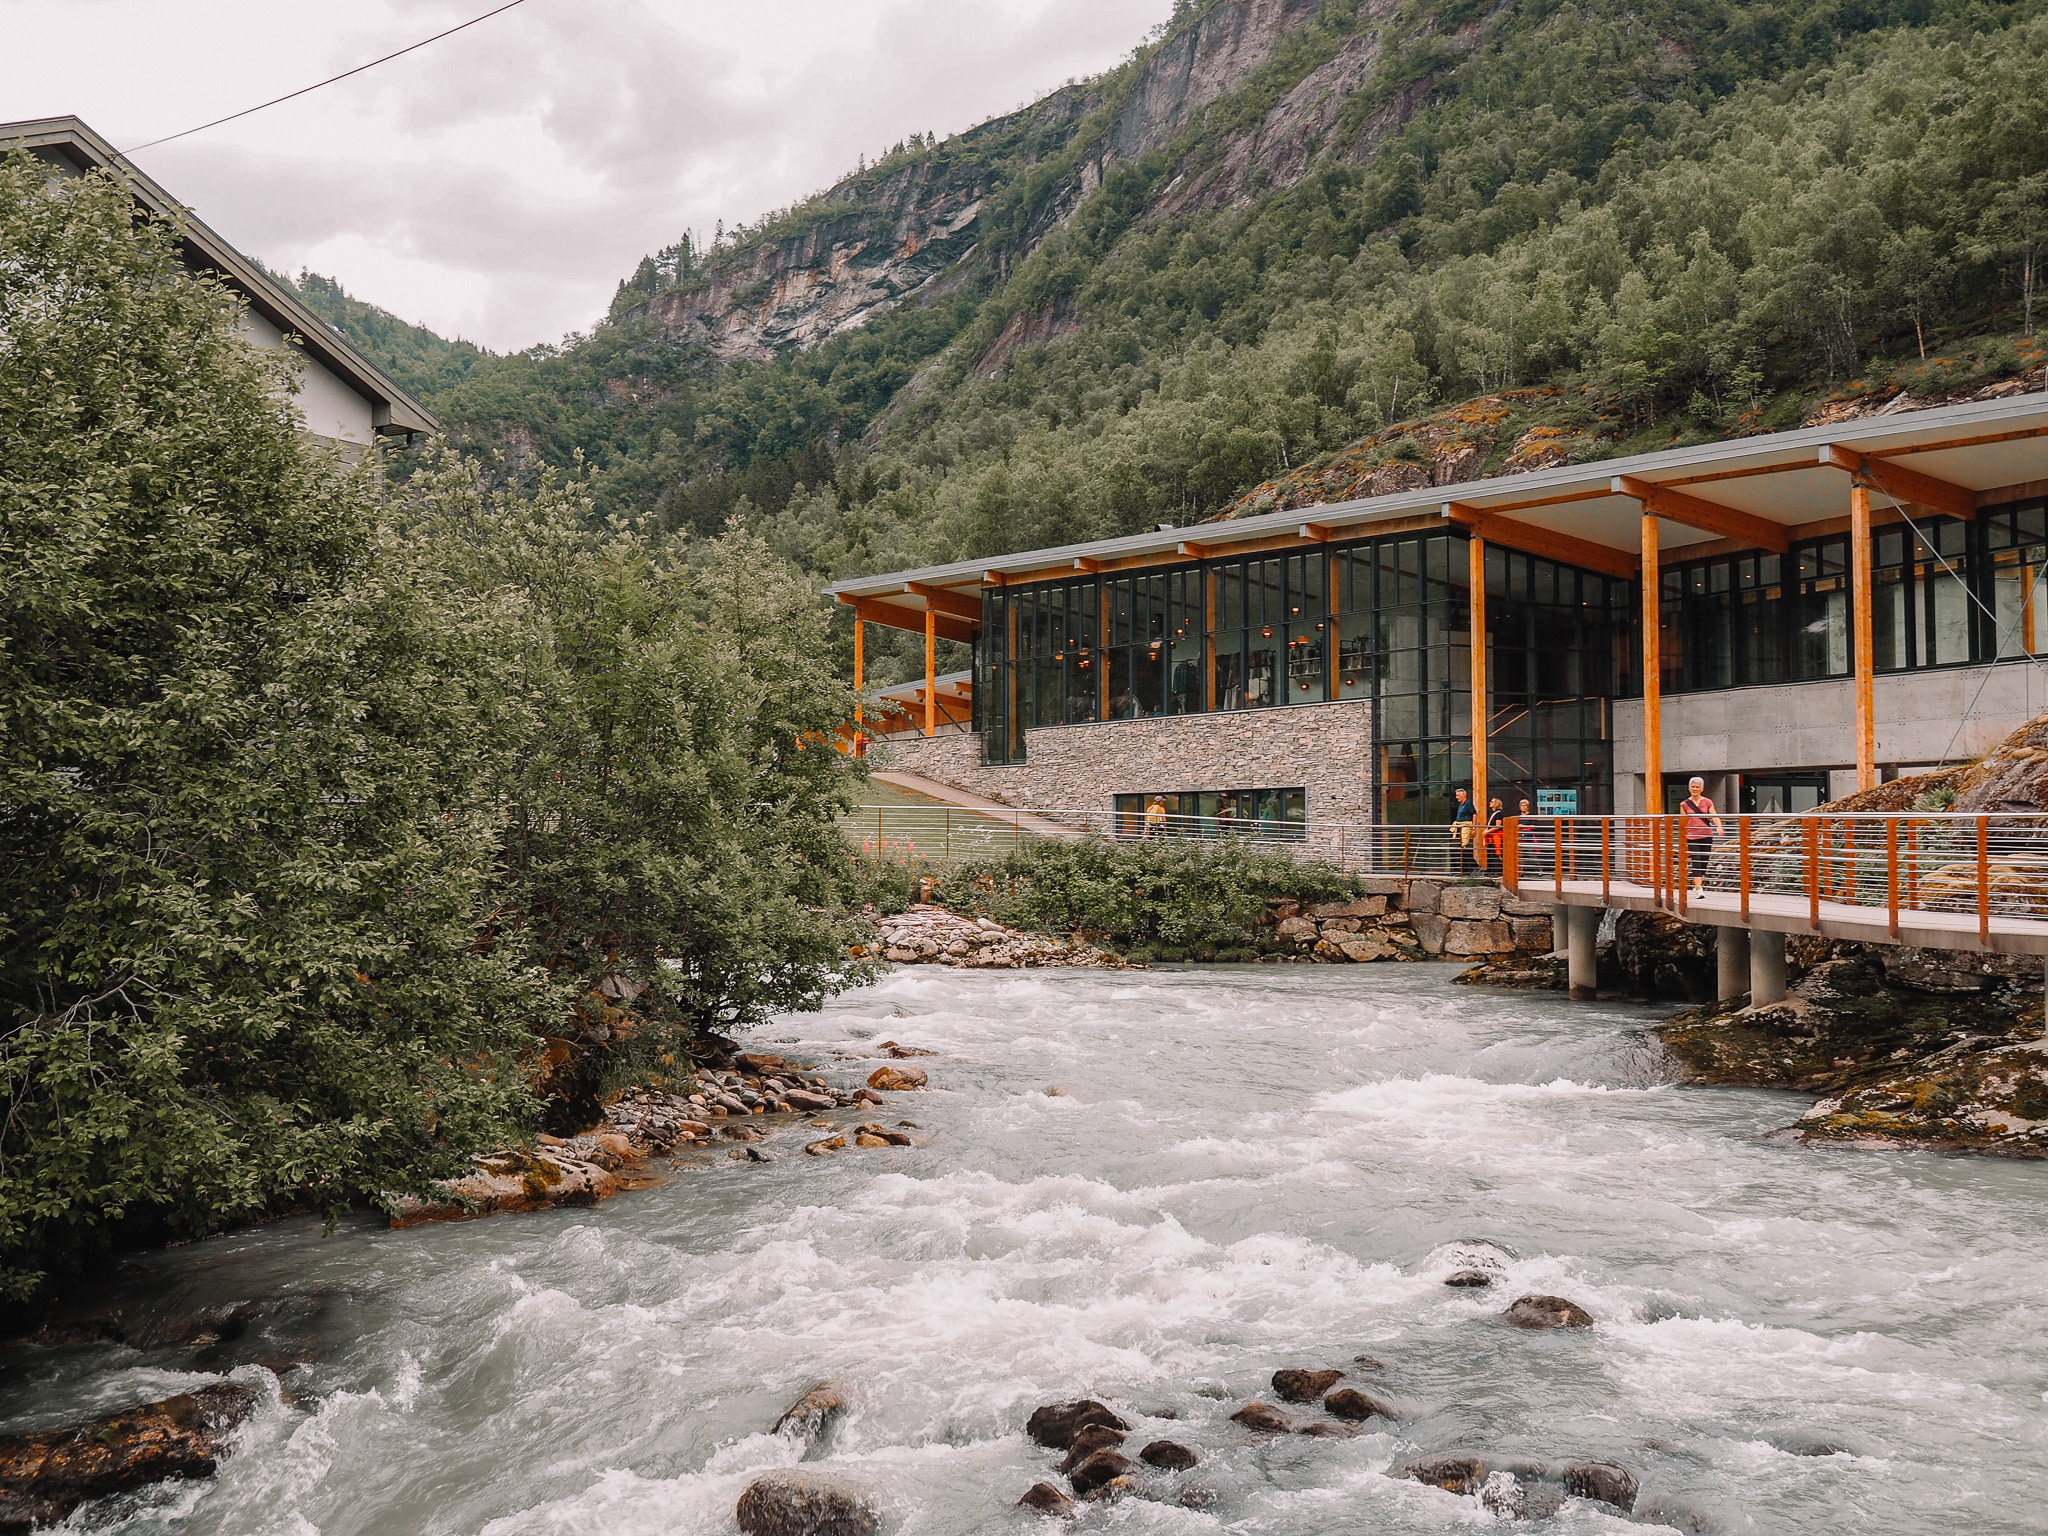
(498, 184)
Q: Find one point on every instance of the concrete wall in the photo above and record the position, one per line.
(330, 408)
(1326, 748)
(1924, 719)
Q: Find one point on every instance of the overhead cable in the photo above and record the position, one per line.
(305, 90)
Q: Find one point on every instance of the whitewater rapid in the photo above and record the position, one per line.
(1249, 1167)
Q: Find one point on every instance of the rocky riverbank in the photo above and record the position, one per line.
(737, 1109)
(930, 935)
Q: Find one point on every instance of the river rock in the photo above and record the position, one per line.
(1102, 1467)
(1048, 1500)
(1096, 1437)
(1603, 1482)
(896, 1079)
(1547, 1312)
(46, 1475)
(1299, 1386)
(863, 1139)
(1523, 1493)
(1262, 1419)
(788, 1503)
(1449, 1471)
(515, 1180)
(1368, 1363)
(1324, 1429)
(800, 1098)
(1169, 1455)
(1056, 1424)
(1474, 1279)
(826, 1147)
(810, 1416)
(1359, 1406)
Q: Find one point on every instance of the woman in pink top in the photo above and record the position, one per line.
(1702, 826)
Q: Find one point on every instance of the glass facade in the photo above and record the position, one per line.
(1273, 813)
(1943, 593)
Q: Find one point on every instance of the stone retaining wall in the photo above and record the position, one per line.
(1324, 748)
(1415, 918)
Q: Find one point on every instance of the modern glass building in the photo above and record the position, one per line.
(1790, 616)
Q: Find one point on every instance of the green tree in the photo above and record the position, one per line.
(246, 767)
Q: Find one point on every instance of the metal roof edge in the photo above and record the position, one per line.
(1867, 433)
(87, 150)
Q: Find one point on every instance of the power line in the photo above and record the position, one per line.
(413, 48)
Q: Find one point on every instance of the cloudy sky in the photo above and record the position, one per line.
(498, 185)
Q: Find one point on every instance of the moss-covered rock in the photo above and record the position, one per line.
(1965, 1098)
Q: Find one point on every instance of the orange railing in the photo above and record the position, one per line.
(1988, 864)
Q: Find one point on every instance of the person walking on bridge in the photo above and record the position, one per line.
(1702, 826)
(1462, 828)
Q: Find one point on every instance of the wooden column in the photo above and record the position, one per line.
(931, 671)
(1208, 639)
(1860, 624)
(859, 682)
(1653, 671)
(1476, 547)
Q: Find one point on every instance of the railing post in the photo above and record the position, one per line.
(1606, 856)
(1742, 861)
(1511, 856)
(1557, 855)
(1891, 870)
(1983, 879)
(1810, 836)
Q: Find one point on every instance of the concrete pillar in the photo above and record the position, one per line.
(1560, 931)
(1766, 968)
(1581, 966)
(1731, 962)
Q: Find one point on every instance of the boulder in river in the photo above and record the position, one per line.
(1102, 1467)
(46, 1475)
(1048, 1500)
(1056, 1424)
(1526, 1492)
(1096, 1437)
(1547, 1312)
(1359, 1406)
(1449, 1471)
(813, 1414)
(1169, 1455)
(896, 1079)
(1471, 1279)
(1324, 1429)
(790, 1503)
(1299, 1386)
(829, 1145)
(1262, 1418)
(1603, 1482)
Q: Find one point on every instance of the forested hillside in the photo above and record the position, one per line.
(1288, 245)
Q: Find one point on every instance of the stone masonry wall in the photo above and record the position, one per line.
(1412, 918)
(1325, 748)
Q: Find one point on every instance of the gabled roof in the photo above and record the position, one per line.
(69, 144)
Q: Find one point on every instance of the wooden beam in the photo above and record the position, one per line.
(1548, 542)
(931, 672)
(859, 681)
(875, 611)
(1316, 531)
(1476, 642)
(1653, 671)
(995, 579)
(1710, 516)
(1193, 550)
(1901, 483)
(1860, 622)
(1092, 567)
(951, 603)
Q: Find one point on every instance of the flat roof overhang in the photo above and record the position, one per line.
(1743, 493)
(69, 143)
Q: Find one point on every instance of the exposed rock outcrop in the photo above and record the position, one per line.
(806, 1504)
(46, 1475)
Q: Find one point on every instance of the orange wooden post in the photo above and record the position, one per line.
(1653, 670)
(1865, 651)
(1891, 869)
(1742, 861)
(1511, 855)
(860, 743)
(1476, 641)
(1606, 856)
(931, 671)
(1557, 853)
(1983, 879)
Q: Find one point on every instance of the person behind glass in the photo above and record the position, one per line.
(1226, 815)
(1461, 827)
(1155, 818)
(1702, 826)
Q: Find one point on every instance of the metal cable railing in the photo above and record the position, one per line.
(1986, 865)
(943, 834)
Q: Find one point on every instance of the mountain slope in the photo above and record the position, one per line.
(1285, 228)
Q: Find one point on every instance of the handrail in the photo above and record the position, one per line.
(1810, 866)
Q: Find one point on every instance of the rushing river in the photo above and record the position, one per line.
(1250, 1168)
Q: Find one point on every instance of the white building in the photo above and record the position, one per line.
(342, 395)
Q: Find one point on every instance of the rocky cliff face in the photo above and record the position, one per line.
(909, 231)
